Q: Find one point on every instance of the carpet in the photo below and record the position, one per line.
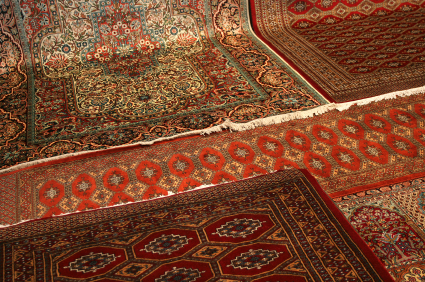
(391, 219)
(360, 148)
(348, 49)
(78, 75)
(279, 227)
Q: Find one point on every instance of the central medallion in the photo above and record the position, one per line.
(239, 227)
(167, 244)
(122, 65)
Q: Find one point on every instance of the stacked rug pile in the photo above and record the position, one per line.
(212, 140)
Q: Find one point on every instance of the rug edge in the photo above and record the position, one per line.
(360, 243)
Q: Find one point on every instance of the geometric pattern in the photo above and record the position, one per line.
(91, 262)
(169, 239)
(239, 228)
(89, 76)
(348, 49)
(366, 145)
(391, 219)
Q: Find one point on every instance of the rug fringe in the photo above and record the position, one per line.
(241, 126)
(309, 113)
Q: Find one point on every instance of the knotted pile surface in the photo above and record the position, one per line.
(348, 49)
(79, 75)
(279, 227)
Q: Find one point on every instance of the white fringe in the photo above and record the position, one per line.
(242, 126)
(310, 113)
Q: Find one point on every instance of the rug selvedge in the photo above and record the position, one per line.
(103, 74)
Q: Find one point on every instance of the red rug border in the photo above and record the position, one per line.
(254, 25)
(89, 154)
(361, 244)
(376, 185)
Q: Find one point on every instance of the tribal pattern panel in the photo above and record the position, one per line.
(361, 146)
(84, 75)
(373, 44)
(391, 219)
(320, 9)
(351, 49)
(273, 228)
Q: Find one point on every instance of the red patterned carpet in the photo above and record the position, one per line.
(348, 49)
(77, 76)
(280, 227)
(361, 148)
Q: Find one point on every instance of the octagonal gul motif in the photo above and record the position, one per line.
(241, 152)
(377, 123)
(115, 179)
(212, 159)
(317, 164)
(402, 145)
(51, 193)
(119, 199)
(373, 151)
(300, 7)
(83, 186)
(154, 192)
(351, 129)
(180, 165)
(91, 262)
(403, 118)
(180, 274)
(270, 146)
(166, 244)
(238, 228)
(325, 134)
(345, 158)
(188, 184)
(298, 140)
(148, 172)
(254, 259)
(87, 205)
(222, 177)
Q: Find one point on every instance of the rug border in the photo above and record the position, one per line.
(360, 243)
(253, 19)
(375, 185)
